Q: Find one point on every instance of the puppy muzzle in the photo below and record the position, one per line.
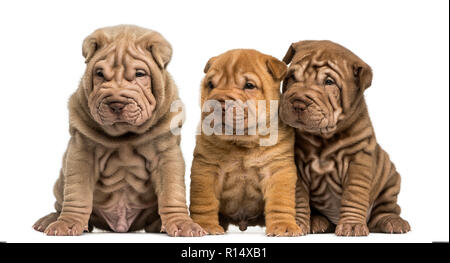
(304, 110)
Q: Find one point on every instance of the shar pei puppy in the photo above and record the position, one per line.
(247, 176)
(123, 169)
(352, 183)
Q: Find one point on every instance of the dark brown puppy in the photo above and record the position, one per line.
(350, 179)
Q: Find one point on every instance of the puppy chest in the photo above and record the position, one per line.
(121, 169)
(241, 196)
(325, 177)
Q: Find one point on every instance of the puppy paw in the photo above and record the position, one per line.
(352, 229)
(213, 229)
(320, 224)
(43, 222)
(286, 229)
(393, 225)
(64, 228)
(183, 228)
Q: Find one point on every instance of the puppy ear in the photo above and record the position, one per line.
(276, 68)
(93, 43)
(158, 46)
(208, 64)
(363, 75)
(289, 54)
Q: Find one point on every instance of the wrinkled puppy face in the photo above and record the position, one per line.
(324, 85)
(121, 90)
(122, 64)
(239, 82)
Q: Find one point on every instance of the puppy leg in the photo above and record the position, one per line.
(224, 222)
(150, 219)
(279, 195)
(78, 181)
(58, 190)
(97, 221)
(204, 205)
(170, 189)
(320, 224)
(355, 197)
(153, 227)
(302, 208)
(385, 216)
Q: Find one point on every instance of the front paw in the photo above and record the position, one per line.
(65, 228)
(45, 221)
(320, 224)
(352, 229)
(183, 228)
(286, 229)
(213, 229)
(393, 224)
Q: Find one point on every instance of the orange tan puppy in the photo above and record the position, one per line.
(234, 179)
(353, 184)
(123, 169)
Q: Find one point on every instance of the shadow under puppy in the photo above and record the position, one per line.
(234, 179)
(123, 169)
(350, 178)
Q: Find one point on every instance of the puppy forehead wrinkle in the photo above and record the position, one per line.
(335, 68)
(346, 67)
(138, 54)
(106, 61)
(233, 70)
(121, 58)
(131, 63)
(310, 74)
(252, 77)
(106, 52)
(309, 68)
(303, 58)
(215, 76)
(300, 67)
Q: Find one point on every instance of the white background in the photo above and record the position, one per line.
(405, 42)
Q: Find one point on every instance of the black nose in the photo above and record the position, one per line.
(116, 107)
(299, 105)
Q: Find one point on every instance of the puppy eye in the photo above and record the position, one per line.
(140, 74)
(249, 85)
(210, 85)
(99, 74)
(329, 82)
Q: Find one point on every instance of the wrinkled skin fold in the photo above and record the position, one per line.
(234, 180)
(352, 183)
(123, 169)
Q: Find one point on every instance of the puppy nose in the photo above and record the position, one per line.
(299, 105)
(116, 107)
